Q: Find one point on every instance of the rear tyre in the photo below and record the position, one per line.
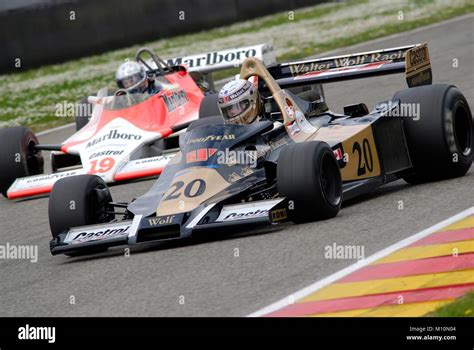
(309, 176)
(440, 142)
(78, 201)
(18, 157)
(209, 107)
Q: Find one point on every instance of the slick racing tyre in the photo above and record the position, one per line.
(78, 201)
(309, 176)
(440, 139)
(18, 157)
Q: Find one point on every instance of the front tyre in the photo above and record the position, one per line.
(78, 201)
(309, 176)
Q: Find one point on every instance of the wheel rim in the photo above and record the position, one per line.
(462, 130)
(330, 180)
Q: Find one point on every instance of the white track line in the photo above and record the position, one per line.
(360, 264)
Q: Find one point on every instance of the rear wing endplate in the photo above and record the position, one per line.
(414, 60)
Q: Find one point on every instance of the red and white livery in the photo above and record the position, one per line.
(128, 135)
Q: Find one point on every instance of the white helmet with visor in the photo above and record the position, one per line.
(239, 101)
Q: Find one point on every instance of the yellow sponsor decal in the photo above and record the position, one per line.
(417, 57)
(418, 66)
(278, 215)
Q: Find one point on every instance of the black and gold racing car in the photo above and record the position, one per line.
(298, 163)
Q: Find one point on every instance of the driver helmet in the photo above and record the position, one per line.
(132, 76)
(239, 102)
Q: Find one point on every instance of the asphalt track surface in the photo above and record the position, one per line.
(236, 274)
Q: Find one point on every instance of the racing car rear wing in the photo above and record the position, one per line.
(219, 60)
(412, 59)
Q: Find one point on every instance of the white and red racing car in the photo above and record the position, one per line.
(128, 135)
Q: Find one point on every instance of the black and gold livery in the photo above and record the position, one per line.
(305, 159)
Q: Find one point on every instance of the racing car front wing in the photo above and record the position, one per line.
(146, 229)
(42, 184)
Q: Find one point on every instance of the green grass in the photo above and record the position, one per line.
(371, 34)
(462, 307)
(375, 33)
(29, 97)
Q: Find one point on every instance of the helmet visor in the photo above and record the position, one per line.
(236, 109)
(131, 80)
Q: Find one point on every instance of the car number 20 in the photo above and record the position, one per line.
(364, 157)
(192, 189)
